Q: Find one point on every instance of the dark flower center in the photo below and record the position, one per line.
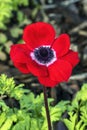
(44, 54)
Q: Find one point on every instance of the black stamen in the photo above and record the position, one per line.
(44, 54)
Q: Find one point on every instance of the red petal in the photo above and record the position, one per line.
(20, 56)
(72, 57)
(47, 82)
(19, 53)
(38, 34)
(36, 69)
(61, 45)
(22, 67)
(60, 71)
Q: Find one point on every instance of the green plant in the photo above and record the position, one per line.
(12, 20)
(77, 111)
(10, 89)
(6, 9)
(31, 113)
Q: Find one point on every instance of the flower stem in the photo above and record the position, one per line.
(47, 109)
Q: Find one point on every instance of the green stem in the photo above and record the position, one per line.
(47, 109)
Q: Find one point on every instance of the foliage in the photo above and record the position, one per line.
(9, 14)
(14, 15)
(9, 88)
(31, 113)
(31, 107)
(6, 8)
(77, 111)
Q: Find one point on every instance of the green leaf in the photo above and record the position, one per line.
(23, 124)
(35, 11)
(82, 94)
(71, 122)
(45, 125)
(20, 16)
(3, 38)
(3, 106)
(26, 101)
(80, 125)
(68, 124)
(6, 10)
(15, 32)
(55, 114)
(7, 125)
(2, 118)
(34, 124)
(9, 88)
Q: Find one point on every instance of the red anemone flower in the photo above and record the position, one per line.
(43, 55)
